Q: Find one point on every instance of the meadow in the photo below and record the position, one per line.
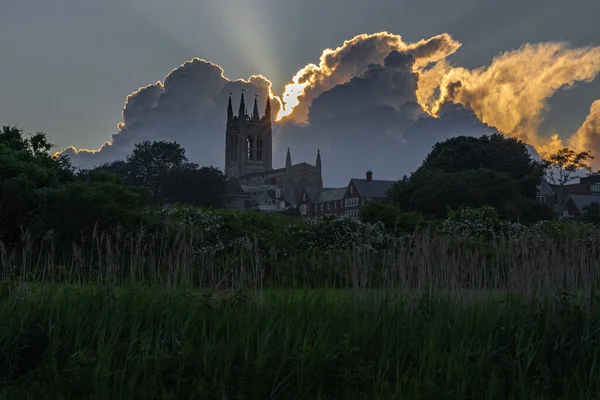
(318, 310)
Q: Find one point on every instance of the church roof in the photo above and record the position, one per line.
(262, 173)
(373, 188)
(233, 188)
(302, 165)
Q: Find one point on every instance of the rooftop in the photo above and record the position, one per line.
(582, 200)
(329, 194)
(372, 188)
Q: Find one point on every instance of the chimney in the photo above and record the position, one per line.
(369, 176)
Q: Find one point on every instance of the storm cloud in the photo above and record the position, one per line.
(375, 103)
(189, 107)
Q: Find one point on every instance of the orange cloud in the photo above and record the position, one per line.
(72, 150)
(511, 94)
(351, 59)
(587, 137)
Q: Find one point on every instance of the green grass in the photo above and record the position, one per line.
(99, 342)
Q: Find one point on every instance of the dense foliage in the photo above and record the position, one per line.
(41, 193)
(471, 172)
(163, 168)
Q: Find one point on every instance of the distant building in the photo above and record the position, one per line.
(576, 203)
(346, 201)
(249, 164)
(576, 195)
(319, 202)
(545, 194)
(236, 197)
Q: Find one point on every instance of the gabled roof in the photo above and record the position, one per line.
(582, 200)
(325, 195)
(544, 189)
(321, 195)
(373, 189)
(302, 165)
(312, 193)
(233, 188)
(261, 173)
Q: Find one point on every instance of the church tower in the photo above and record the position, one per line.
(248, 140)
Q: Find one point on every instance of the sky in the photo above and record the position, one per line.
(67, 67)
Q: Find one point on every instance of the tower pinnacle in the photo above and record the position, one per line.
(255, 116)
(318, 163)
(268, 110)
(288, 160)
(229, 110)
(242, 110)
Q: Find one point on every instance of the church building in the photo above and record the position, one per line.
(249, 165)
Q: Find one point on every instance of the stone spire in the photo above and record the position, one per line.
(255, 116)
(268, 110)
(318, 164)
(288, 160)
(242, 110)
(229, 110)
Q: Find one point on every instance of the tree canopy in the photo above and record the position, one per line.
(468, 171)
(564, 166)
(42, 193)
(496, 153)
(163, 168)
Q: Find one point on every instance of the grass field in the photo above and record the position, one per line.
(99, 342)
(434, 317)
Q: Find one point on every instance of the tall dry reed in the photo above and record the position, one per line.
(423, 261)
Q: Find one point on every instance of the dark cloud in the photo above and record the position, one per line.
(373, 121)
(190, 108)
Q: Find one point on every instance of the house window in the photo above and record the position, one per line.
(541, 199)
(335, 205)
(351, 188)
(595, 189)
(322, 206)
(303, 209)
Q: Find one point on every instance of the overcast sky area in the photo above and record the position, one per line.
(67, 66)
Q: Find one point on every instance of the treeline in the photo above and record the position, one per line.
(472, 173)
(44, 194)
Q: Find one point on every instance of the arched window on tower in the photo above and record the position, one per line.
(259, 148)
(249, 148)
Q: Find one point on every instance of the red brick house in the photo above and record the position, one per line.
(572, 197)
(346, 201)
(319, 202)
